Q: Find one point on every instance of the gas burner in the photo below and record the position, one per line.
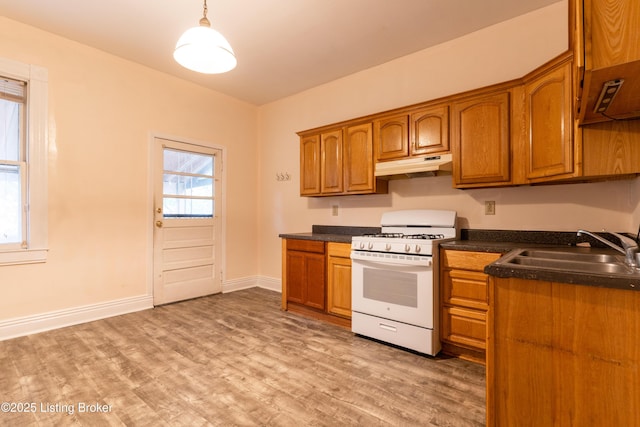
(424, 236)
(386, 235)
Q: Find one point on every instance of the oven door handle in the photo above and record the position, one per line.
(428, 262)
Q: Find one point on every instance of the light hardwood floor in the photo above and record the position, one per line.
(226, 360)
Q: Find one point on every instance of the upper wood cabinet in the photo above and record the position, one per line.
(607, 48)
(429, 130)
(412, 133)
(338, 162)
(358, 159)
(331, 177)
(392, 137)
(610, 33)
(549, 144)
(481, 144)
(310, 165)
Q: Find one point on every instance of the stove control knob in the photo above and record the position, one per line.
(370, 245)
(388, 247)
(407, 248)
(361, 245)
(418, 249)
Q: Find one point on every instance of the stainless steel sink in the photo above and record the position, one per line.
(571, 256)
(570, 260)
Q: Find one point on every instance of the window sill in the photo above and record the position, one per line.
(23, 256)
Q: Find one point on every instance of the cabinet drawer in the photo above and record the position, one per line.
(464, 327)
(305, 245)
(467, 260)
(465, 288)
(339, 249)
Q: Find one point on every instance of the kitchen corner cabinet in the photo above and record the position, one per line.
(338, 161)
(549, 150)
(339, 279)
(412, 133)
(464, 302)
(481, 140)
(305, 272)
(562, 354)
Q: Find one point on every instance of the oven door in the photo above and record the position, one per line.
(395, 289)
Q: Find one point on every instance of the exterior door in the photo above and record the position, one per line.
(187, 226)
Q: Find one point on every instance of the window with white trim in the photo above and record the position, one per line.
(23, 163)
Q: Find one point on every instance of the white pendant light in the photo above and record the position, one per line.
(204, 50)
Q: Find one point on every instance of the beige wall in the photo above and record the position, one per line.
(102, 110)
(499, 53)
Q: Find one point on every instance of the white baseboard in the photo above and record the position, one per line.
(27, 325)
(252, 282)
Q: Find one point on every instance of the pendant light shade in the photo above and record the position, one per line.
(204, 50)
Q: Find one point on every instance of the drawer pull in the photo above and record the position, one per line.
(388, 327)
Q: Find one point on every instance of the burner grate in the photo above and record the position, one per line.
(423, 236)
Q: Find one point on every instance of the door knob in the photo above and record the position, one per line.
(159, 224)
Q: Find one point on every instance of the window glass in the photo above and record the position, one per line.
(11, 197)
(188, 184)
(10, 130)
(12, 101)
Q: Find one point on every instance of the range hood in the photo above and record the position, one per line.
(415, 166)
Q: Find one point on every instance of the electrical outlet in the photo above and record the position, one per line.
(489, 207)
(334, 210)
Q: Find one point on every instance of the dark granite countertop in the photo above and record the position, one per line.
(331, 233)
(505, 241)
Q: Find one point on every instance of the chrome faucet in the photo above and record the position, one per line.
(629, 246)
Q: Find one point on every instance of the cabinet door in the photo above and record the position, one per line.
(315, 275)
(339, 279)
(481, 140)
(331, 163)
(358, 159)
(610, 32)
(549, 125)
(310, 165)
(392, 137)
(430, 130)
(296, 281)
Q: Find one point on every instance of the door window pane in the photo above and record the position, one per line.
(188, 184)
(180, 185)
(187, 208)
(11, 212)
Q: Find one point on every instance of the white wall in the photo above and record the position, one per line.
(495, 54)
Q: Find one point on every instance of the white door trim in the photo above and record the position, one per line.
(150, 202)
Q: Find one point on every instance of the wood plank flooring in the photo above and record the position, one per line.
(230, 360)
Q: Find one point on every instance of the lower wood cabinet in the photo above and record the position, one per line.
(464, 302)
(316, 279)
(305, 273)
(339, 279)
(562, 354)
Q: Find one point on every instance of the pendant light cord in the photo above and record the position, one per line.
(204, 21)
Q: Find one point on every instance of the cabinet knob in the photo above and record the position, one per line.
(159, 224)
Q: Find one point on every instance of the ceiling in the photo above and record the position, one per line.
(282, 46)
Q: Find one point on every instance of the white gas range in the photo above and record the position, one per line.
(394, 279)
